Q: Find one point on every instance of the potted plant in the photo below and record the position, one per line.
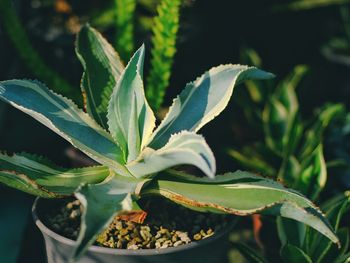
(134, 160)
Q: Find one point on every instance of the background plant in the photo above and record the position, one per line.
(165, 28)
(124, 24)
(28, 53)
(292, 149)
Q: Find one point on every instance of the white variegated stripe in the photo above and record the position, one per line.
(35, 172)
(106, 54)
(130, 118)
(63, 117)
(36, 167)
(182, 148)
(263, 187)
(202, 100)
(73, 114)
(93, 48)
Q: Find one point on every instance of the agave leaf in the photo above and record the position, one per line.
(202, 100)
(101, 203)
(182, 148)
(102, 69)
(37, 176)
(130, 119)
(239, 193)
(293, 254)
(24, 184)
(63, 117)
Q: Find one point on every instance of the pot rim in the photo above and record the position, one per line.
(117, 251)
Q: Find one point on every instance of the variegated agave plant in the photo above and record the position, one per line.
(117, 132)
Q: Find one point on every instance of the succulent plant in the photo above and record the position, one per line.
(117, 131)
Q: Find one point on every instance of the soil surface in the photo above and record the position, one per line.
(166, 225)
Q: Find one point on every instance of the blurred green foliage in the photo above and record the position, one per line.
(299, 5)
(165, 28)
(291, 149)
(124, 24)
(28, 53)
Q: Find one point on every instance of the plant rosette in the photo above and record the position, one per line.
(117, 130)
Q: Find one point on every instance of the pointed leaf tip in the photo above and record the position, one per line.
(130, 118)
(202, 100)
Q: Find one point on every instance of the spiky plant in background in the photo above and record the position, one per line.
(117, 132)
(124, 24)
(165, 28)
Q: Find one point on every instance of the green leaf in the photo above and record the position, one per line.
(16, 31)
(102, 69)
(37, 176)
(302, 5)
(313, 135)
(182, 148)
(290, 172)
(344, 258)
(249, 254)
(251, 162)
(130, 119)
(63, 117)
(124, 24)
(202, 100)
(24, 184)
(164, 27)
(239, 193)
(334, 252)
(313, 176)
(293, 254)
(275, 118)
(280, 116)
(101, 203)
(290, 231)
(335, 209)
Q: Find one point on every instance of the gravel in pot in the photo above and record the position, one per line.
(166, 225)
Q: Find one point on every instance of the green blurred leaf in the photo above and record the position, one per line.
(293, 254)
(334, 208)
(124, 24)
(313, 175)
(165, 27)
(300, 5)
(314, 135)
(249, 254)
(252, 162)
